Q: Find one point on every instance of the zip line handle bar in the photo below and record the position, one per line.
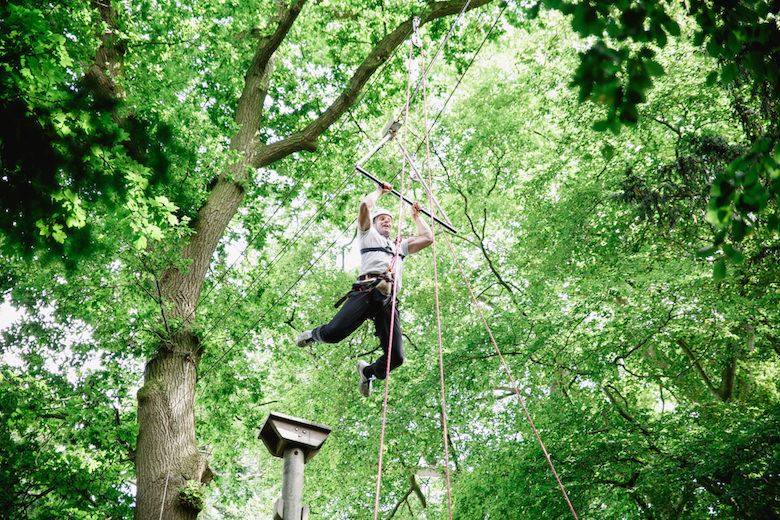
(394, 192)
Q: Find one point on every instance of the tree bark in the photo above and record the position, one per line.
(167, 458)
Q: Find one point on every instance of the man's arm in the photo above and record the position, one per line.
(364, 211)
(424, 236)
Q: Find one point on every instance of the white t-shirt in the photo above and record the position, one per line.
(379, 261)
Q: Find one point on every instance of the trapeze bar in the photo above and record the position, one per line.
(394, 192)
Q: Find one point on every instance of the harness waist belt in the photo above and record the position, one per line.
(372, 276)
(371, 279)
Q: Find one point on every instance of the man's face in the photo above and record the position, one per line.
(384, 224)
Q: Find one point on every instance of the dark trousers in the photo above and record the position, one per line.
(359, 307)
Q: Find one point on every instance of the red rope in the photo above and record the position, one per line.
(432, 211)
(511, 380)
(393, 305)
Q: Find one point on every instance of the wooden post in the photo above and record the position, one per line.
(292, 484)
(296, 441)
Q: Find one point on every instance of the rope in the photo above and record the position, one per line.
(511, 380)
(394, 298)
(439, 48)
(436, 291)
(165, 492)
(468, 66)
(409, 97)
(484, 321)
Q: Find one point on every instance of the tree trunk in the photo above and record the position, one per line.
(170, 471)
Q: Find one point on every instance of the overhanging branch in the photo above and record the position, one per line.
(306, 139)
(699, 369)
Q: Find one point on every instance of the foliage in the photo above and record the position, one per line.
(193, 494)
(63, 449)
(617, 70)
(653, 385)
(65, 158)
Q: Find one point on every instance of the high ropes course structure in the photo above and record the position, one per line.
(438, 219)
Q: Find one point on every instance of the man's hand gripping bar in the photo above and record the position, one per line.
(394, 192)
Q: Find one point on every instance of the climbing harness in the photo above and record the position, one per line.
(366, 283)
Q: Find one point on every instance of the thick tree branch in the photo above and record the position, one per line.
(611, 392)
(725, 391)
(648, 337)
(398, 504)
(510, 288)
(668, 125)
(414, 487)
(249, 111)
(417, 491)
(307, 138)
(627, 484)
(728, 380)
(99, 78)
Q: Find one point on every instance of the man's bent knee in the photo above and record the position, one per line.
(326, 334)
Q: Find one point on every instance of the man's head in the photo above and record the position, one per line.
(383, 221)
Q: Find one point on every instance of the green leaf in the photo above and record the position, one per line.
(771, 167)
(773, 222)
(719, 269)
(704, 252)
(155, 232)
(737, 257)
(671, 26)
(58, 234)
(654, 68)
(729, 73)
(65, 60)
(713, 48)
(738, 229)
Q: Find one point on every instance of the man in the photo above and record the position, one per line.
(371, 295)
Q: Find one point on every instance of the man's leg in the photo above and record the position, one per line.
(382, 325)
(352, 314)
